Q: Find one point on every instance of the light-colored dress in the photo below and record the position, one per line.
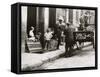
(32, 35)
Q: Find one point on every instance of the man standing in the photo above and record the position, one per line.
(60, 28)
(69, 40)
(58, 37)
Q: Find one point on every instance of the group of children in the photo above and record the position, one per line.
(48, 35)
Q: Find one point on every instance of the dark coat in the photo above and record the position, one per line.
(69, 38)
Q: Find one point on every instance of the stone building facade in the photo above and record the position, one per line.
(43, 17)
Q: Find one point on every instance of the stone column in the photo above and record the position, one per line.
(23, 27)
(71, 16)
(74, 17)
(46, 18)
(67, 15)
(41, 25)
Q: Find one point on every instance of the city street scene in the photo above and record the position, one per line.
(57, 38)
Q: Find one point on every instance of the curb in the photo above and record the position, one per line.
(47, 58)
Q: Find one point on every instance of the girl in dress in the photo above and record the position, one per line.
(32, 37)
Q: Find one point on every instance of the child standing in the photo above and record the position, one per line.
(48, 36)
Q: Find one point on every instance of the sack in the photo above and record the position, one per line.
(53, 44)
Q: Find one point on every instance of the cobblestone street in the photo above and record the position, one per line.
(81, 58)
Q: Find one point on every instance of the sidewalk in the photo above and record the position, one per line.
(35, 60)
(32, 60)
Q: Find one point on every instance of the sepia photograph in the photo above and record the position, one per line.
(57, 38)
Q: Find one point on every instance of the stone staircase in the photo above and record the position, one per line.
(33, 46)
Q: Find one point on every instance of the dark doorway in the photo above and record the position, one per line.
(31, 19)
(52, 17)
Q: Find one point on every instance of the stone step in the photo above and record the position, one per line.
(37, 51)
(34, 49)
(33, 42)
(34, 45)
